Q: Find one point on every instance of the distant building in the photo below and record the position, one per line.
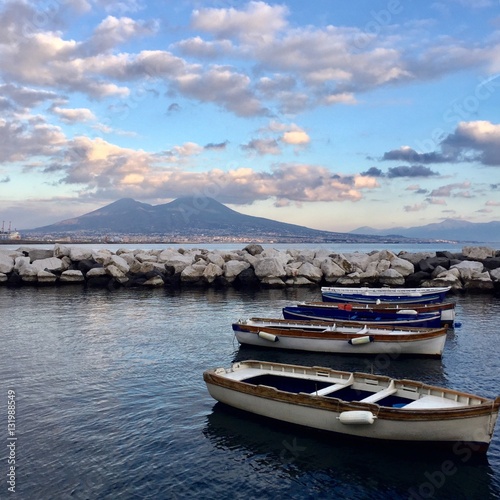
(9, 234)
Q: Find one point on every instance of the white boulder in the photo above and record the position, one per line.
(478, 253)
(52, 264)
(6, 263)
(402, 266)
(270, 267)
(72, 276)
(233, 268)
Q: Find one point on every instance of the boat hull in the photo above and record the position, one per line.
(365, 317)
(445, 309)
(364, 295)
(354, 341)
(472, 425)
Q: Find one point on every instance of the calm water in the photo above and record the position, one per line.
(111, 402)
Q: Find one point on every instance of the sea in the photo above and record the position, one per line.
(102, 397)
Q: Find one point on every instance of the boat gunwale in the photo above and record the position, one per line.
(486, 406)
(389, 291)
(413, 336)
(425, 315)
(340, 322)
(384, 306)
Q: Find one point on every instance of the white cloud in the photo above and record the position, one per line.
(73, 115)
(257, 22)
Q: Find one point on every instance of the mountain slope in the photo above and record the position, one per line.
(186, 216)
(449, 229)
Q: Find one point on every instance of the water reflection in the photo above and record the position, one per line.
(427, 370)
(338, 464)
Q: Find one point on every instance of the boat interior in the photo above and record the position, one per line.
(346, 391)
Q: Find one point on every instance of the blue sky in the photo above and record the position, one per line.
(328, 114)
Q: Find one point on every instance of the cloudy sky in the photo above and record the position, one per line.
(331, 114)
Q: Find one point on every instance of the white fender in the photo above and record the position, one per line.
(361, 340)
(357, 417)
(268, 336)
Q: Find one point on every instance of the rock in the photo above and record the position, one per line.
(495, 274)
(310, 272)
(120, 263)
(416, 257)
(211, 272)
(96, 272)
(479, 282)
(3, 278)
(247, 278)
(14, 279)
(449, 272)
(27, 272)
(269, 267)
(353, 279)
(492, 263)
(71, 276)
(116, 273)
(39, 253)
(86, 265)
(46, 277)
(271, 253)
(478, 253)
(52, 264)
(447, 279)
(272, 282)
(468, 269)
(382, 255)
(370, 275)
(391, 277)
(176, 260)
(145, 257)
(6, 264)
(254, 249)
(216, 258)
(445, 254)
(102, 257)
(233, 268)
(193, 273)
(147, 267)
(61, 251)
(77, 254)
(155, 281)
(21, 262)
(331, 270)
(402, 266)
(414, 280)
(351, 262)
(437, 271)
(299, 281)
(429, 265)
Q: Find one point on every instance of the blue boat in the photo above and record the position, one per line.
(365, 295)
(330, 312)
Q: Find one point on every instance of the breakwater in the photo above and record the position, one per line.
(475, 268)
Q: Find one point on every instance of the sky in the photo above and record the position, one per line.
(330, 114)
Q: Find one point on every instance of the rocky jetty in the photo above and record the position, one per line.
(474, 269)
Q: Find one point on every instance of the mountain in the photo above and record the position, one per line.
(185, 218)
(449, 229)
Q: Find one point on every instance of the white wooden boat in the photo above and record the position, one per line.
(359, 405)
(369, 295)
(340, 337)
